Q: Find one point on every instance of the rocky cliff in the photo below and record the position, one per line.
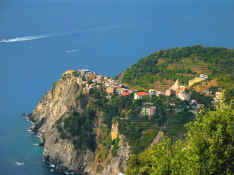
(76, 140)
(92, 124)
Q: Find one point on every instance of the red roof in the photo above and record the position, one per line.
(125, 92)
(142, 93)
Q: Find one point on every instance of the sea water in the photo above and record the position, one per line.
(18, 156)
(19, 153)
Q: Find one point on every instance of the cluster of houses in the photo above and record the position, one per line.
(179, 91)
(148, 110)
(89, 80)
(176, 89)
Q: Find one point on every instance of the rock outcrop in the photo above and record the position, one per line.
(64, 98)
(119, 162)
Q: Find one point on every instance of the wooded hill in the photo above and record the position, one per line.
(160, 69)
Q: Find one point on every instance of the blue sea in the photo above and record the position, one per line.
(41, 39)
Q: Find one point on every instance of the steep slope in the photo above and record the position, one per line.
(76, 136)
(93, 124)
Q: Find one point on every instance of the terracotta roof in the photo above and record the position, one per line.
(142, 93)
(69, 71)
(125, 93)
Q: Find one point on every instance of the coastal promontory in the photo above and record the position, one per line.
(95, 125)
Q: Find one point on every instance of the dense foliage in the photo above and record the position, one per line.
(207, 150)
(138, 129)
(124, 109)
(183, 64)
(79, 128)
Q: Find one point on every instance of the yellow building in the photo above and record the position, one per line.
(68, 72)
(110, 90)
(182, 88)
(195, 80)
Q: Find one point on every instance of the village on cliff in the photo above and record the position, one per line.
(90, 80)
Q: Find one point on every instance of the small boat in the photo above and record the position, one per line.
(38, 144)
(19, 163)
(52, 165)
(29, 130)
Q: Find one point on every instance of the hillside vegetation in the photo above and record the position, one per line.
(160, 69)
(207, 150)
(138, 130)
(93, 124)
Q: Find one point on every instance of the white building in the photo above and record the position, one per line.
(204, 76)
(152, 92)
(175, 86)
(219, 97)
(183, 96)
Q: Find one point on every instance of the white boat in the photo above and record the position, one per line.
(29, 130)
(19, 163)
(52, 165)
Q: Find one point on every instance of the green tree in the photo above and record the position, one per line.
(207, 150)
(210, 142)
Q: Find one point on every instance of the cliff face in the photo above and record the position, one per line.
(65, 98)
(119, 162)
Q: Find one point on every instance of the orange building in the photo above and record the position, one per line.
(139, 95)
(68, 72)
(110, 90)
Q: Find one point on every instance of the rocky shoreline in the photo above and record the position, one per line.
(52, 165)
(60, 153)
(55, 165)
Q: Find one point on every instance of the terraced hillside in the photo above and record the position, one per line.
(160, 69)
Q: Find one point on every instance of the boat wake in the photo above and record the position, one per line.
(19, 163)
(37, 37)
(26, 38)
